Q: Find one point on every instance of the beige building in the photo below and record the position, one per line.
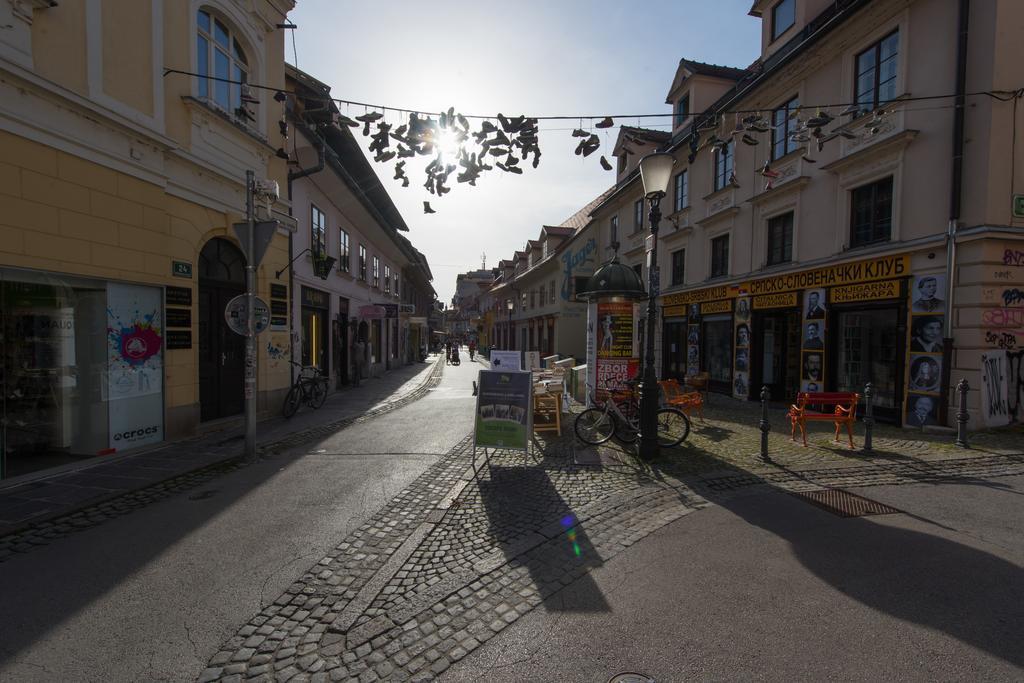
(804, 266)
(119, 186)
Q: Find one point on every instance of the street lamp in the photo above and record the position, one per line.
(508, 332)
(655, 171)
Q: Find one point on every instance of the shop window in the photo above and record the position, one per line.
(681, 193)
(317, 230)
(362, 263)
(876, 73)
(780, 239)
(343, 252)
(682, 109)
(717, 347)
(678, 266)
(724, 165)
(783, 17)
(638, 215)
(782, 128)
(720, 256)
(871, 213)
(219, 56)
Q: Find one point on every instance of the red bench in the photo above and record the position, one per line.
(844, 411)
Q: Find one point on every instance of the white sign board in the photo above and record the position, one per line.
(506, 360)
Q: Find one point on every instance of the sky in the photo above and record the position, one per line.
(533, 57)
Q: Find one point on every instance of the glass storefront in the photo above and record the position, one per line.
(869, 351)
(81, 369)
(717, 346)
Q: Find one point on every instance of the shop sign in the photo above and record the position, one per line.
(615, 373)
(503, 415)
(176, 340)
(278, 291)
(178, 296)
(868, 291)
(572, 261)
(179, 317)
(785, 300)
(371, 312)
(314, 298)
(181, 269)
(674, 311)
(697, 296)
(716, 307)
(881, 268)
(390, 310)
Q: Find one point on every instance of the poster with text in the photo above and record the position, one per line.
(615, 329)
(503, 411)
(135, 369)
(506, 360)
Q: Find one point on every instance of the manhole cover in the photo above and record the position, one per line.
(843, 503)
(630, 677)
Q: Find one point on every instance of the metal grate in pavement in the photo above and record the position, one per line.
(843, 503)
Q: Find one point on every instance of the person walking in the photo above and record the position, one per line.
(472, 349)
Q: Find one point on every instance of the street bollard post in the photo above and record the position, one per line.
(961, 414)
(763, 424)
(869, 415)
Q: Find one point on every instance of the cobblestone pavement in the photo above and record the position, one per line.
(459, 555)
(226, 459)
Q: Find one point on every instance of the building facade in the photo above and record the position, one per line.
(119, 187)
(353, 273)
(823, 248)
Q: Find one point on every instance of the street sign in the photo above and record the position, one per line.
(264, 233)
(181, 269)
(1018, 206)
(238, 321)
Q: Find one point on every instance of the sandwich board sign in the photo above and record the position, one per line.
(503, 416)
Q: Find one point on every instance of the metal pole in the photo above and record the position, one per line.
(250, 331)
(763, 424)
(869, 415)
(961, 414)
(649, 396)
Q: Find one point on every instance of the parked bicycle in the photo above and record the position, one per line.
(619, 415)
(310, 387)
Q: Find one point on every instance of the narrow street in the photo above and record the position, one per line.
(151, 595)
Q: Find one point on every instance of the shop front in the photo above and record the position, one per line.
(316, 307)
(81, 369)
(834, 328)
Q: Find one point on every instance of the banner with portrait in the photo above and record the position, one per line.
(741, 348)
(925, 329)
(812, 341)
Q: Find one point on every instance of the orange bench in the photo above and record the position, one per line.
(844, 412)
(685, 401)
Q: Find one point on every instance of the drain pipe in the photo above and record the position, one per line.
(955, 193)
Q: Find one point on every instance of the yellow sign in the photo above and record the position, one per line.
(869, 291)
(871, 270)
(716, 307)
(672, 311)
(784, 300)
(697, 296)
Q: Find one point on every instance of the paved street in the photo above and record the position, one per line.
(369, 549)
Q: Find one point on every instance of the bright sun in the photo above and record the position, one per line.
(448, 143)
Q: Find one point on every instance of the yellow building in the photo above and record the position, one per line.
(119, 184)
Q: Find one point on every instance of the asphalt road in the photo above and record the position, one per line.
(153, 594)
(767, 587)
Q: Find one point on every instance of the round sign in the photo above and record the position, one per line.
(235, 313)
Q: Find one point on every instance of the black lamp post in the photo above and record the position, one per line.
(655, 171)
(508, 332)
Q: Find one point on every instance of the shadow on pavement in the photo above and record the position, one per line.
(517, 501)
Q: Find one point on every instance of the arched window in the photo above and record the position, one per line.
(219, 55)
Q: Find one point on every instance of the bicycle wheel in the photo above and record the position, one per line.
(628, 430)
(673, 427)
(317, 392)
(594, 426)
(292, 401)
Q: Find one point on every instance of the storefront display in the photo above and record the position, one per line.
(315, 328)
(81, 369)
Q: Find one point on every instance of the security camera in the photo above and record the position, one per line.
(268, 189)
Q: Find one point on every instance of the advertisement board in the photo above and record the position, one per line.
(503, 415)
(135, 369)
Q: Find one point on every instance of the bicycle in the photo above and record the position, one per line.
(596, 425)
(310, 387)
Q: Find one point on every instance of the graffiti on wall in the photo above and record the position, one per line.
(1015, 383)
(1013, 257)
(995, 409)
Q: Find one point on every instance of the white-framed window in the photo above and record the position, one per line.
(876, 70)
(681, 194)
(219, 55)
(317, 230)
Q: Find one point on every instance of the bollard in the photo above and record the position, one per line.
(961, 414)
(763, 424)
(869, 415)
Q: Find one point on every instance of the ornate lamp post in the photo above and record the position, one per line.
(655, 171)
